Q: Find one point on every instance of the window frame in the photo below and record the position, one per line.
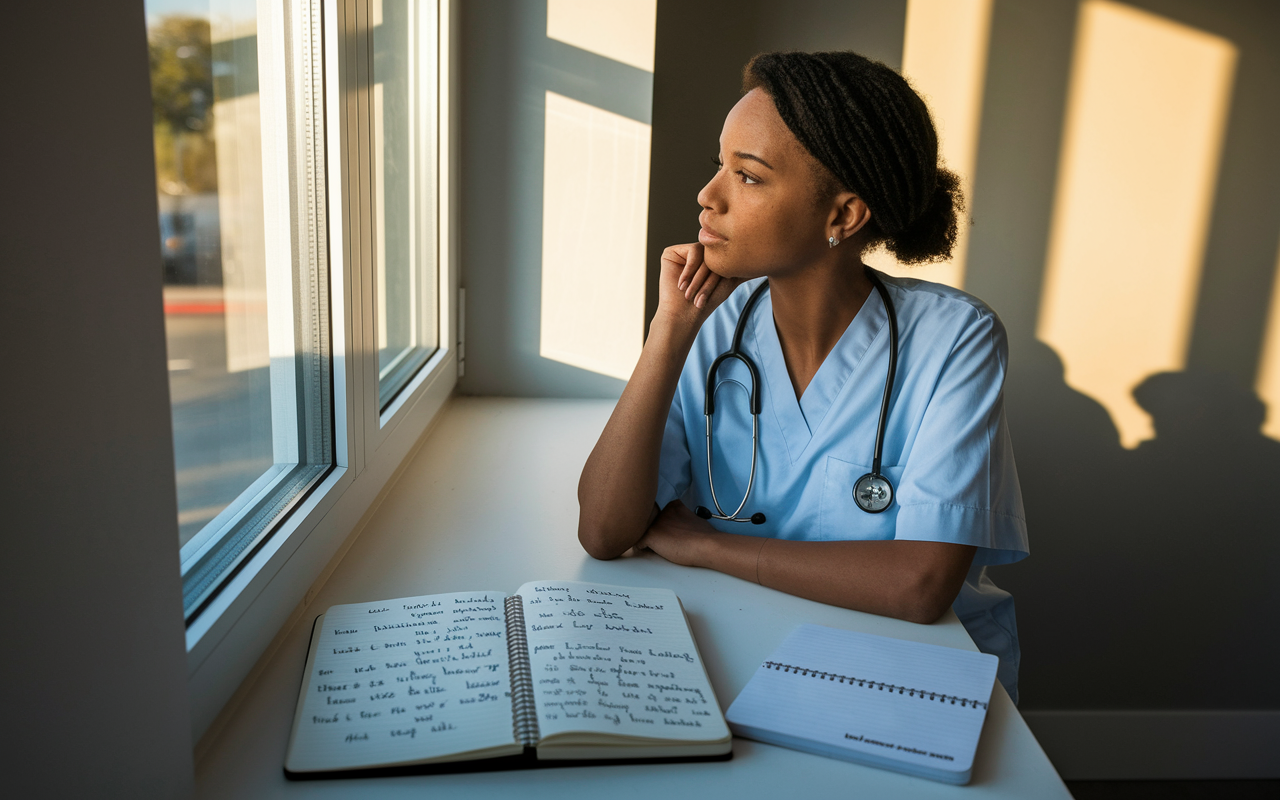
(236, 627)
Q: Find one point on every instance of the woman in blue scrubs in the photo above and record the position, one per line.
(826, 156)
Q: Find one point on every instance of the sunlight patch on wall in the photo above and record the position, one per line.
(1146, 110)
(595, 208)
(944, 55)
(623, 30)
(1268, 386)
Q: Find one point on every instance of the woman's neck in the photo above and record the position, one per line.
(811, 310)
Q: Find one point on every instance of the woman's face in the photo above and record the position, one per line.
(760, 212)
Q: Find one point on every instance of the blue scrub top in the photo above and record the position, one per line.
(946, 449)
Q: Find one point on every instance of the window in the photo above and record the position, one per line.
(404, 152)
(260, 308)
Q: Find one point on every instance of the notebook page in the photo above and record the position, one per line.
(884, 697)
(616, 660)
(405, 680)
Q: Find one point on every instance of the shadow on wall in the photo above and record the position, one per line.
(1154, 571)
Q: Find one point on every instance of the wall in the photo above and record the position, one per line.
(508, 66)
(94, 674)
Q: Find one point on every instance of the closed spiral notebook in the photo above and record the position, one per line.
(905, 706)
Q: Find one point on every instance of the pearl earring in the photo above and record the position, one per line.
(832, 241)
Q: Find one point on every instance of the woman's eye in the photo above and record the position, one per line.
(746, 179)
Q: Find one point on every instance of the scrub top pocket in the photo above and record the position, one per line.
(840, 518)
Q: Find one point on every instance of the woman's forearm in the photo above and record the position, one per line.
(911, 580)
(620, 479)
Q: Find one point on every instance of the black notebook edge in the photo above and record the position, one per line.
(526, 760)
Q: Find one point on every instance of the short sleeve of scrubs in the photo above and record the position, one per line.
(959, 483)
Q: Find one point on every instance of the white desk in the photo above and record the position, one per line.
(489, 502)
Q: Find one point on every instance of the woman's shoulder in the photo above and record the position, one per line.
(937, 304)
(938, 296)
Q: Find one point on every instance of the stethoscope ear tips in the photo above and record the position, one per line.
(703, 512)
(757, 518)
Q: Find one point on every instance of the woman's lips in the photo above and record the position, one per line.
(709, 237)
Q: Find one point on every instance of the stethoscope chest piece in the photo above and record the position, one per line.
(873, 493)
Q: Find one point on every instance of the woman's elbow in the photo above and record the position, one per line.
(932, 583)
(926, 599)
(595, 547)
(592, 533)
(925, 612)
(600, 542)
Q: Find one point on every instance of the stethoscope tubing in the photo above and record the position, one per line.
(754, 400)
(751, 479)
(891, 313)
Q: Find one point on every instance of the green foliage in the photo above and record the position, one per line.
(181, 72)
(182, 104)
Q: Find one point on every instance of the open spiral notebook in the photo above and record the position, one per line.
(559, 673)
(905, 706)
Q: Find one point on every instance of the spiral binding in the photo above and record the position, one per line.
(524, 717)
(870, 684)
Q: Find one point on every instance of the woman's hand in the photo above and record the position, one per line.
(688, 291)
(677, 534)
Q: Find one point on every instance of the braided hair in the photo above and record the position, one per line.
(872, 133)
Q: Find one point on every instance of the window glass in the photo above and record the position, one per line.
(239, 149)
(404, 112)
(209, 187)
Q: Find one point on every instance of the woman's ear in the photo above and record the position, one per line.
(849, 216)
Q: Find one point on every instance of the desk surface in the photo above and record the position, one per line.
(489, 502)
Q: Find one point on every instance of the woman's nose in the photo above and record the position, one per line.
(709, 196)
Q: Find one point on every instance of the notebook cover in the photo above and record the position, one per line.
(905, 706)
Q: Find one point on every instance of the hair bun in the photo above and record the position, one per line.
(874, 135)
(932, 235)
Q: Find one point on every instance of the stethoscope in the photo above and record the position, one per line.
(872, 492)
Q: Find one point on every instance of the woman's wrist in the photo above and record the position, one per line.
(704, 549)
(673, 332)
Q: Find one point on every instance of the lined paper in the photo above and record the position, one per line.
(616, 660)
(405, 680)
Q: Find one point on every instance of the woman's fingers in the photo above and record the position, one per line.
(702, 282)
(708, 286)
(692, 263)
(687, 281)
(694, 281)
